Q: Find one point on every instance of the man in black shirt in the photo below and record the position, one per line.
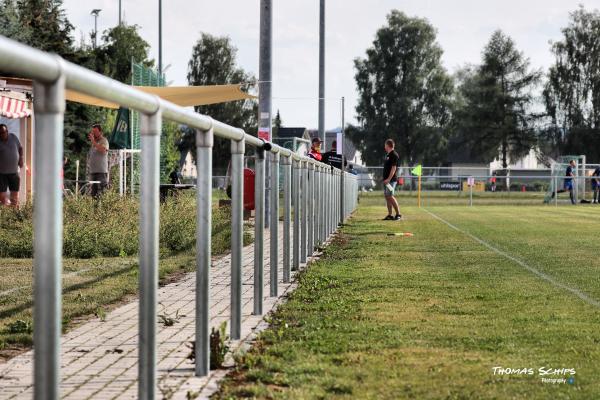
(596, 185)
(333, 158)
(389, 180)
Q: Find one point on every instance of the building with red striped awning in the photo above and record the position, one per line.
(14, 105)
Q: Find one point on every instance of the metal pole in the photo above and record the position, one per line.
(343, 168)
(471, 196)
(287, 212)
(318, 208)
(237, 235)
(274, 235)
(49, 101)
(150, 127)
(304, 207)
(322, 72)
(120, 13)
(76, 178)
(259, 228)
(204, 145)
(311, 208)
(264, 85)
(296, 187)
(159, 40)
(556, 190)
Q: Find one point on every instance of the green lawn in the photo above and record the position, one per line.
(430, 316)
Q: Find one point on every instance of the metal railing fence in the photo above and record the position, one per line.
(314, 202)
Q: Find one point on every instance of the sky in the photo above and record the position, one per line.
(463, 26)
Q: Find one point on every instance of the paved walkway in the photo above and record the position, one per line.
(99, 359)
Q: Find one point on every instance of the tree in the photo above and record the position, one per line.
(403, 90)
(494, 115)
(572, 91)
(120, 46)
(49, 26)
(277, 123)
(213, 63)
(10, 23)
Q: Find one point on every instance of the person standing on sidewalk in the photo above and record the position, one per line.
(390, 167)
(11, 159)
(98, 160)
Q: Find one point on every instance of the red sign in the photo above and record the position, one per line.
(264, 134)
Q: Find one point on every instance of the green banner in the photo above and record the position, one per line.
(121, 133)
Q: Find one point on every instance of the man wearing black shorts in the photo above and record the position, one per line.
(596, 185)
(389, 180)
(11, 159)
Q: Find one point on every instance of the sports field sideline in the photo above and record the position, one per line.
(491, 301)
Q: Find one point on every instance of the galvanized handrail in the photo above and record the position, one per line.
(305, 181)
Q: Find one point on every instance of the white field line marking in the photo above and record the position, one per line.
(529, 268)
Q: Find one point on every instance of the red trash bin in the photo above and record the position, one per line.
(248, 189)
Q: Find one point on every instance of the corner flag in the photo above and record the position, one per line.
(417, 170)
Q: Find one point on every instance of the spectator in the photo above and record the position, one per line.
(315, 149)
(333, 158)
(352, 170)
(493, 182)
(596, 185)
(11, 159)
(98, 160)
(389, 180)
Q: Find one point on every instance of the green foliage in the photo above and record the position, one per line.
(572, 91)
(493, 116)
(277, 123)
(19, 326)
(10, 23)
(109, 227)
(120, 46)
(169, 154)
(403, 91)
(47, 26)
(213, 62)
(218, 346)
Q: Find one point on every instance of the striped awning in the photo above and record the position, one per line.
(14, 105)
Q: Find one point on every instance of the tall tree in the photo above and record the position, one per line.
(213, 63)
(50, 28)
(403, 90)
(120, 46)
(496, 115)
(277, 123)
(10, 23)
(572, 91)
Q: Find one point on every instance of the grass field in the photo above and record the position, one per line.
(430, 316)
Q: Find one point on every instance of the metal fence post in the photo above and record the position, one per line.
(287, 213)
(49, 102)
(259, 229)
(204, 146)
(274, 236)
(304, 207)
(342, 194)
(311, 208)
(150, 128)
(296, 186)
(238, 149)
(319, 205)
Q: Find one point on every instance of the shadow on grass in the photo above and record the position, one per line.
(82, 285)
